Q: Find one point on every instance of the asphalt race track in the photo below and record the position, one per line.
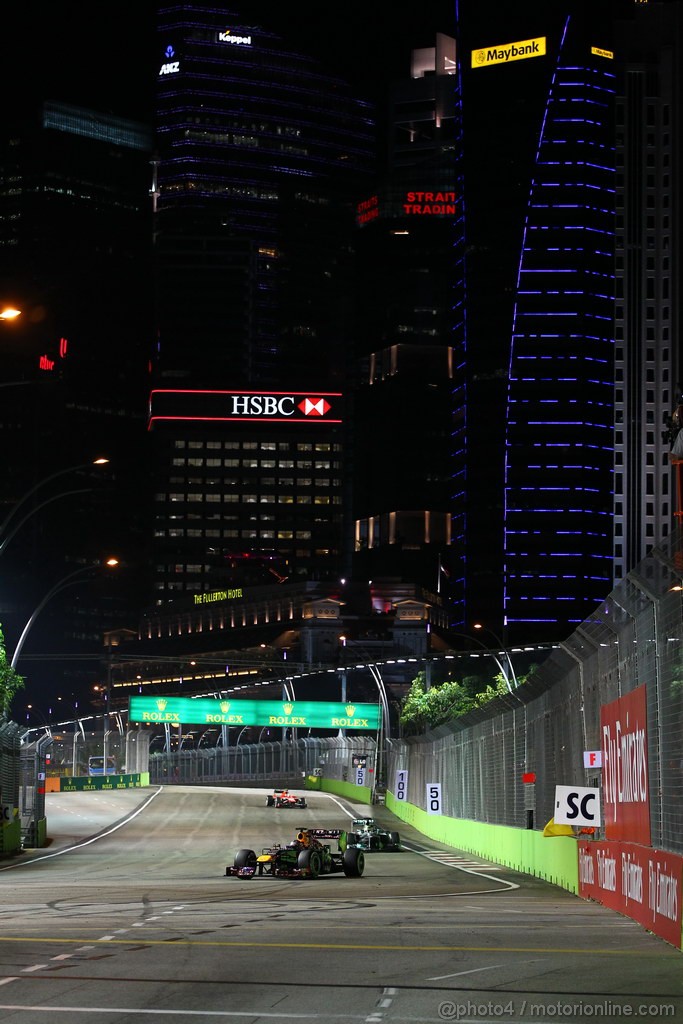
(128, 916)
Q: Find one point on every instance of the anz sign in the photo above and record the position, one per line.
(171, 67)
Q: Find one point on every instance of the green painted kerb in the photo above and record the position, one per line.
(553, 859)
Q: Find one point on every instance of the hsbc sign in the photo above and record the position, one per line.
(222, 406)
(272, 405)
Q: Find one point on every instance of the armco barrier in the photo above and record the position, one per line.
(553, 859)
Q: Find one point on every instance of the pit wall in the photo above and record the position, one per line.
(555, 859)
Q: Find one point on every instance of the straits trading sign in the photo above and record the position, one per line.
(505, 53)
(306, 714)
(416, 202)
(168, 405)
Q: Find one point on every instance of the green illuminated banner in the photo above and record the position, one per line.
(301, 714)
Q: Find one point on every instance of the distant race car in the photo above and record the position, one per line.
(283, 798)
(305, 857)
(366, 834)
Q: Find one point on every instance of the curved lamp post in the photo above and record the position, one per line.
(41, 483)
(31, 711)
(67, 581)
(478, 625)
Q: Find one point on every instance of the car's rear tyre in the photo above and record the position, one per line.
(245, 859)
(302, 802)
(309, 860)
(353, 862)
(395, 840)
(352, 839)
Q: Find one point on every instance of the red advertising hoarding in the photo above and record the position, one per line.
(642, 883)
(625, 783)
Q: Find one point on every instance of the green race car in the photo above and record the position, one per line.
(305, 857)
(366, 834)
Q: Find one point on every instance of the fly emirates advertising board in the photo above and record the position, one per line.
(624, 872)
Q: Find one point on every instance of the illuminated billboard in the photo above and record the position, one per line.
(602, 53)
(423, 202)
(505, 53)
(167, 404)
(300, 714)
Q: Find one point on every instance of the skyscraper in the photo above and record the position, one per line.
(260, 154)
(404, 378)
(649, 229)
(534, 445)
(74, 244)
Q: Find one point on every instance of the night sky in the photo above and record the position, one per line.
(104, 55)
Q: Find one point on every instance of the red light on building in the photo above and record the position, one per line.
(429, 203)
(367, 210)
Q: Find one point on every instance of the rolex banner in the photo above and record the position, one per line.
(307, 714)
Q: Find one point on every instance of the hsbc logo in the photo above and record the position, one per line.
(278, 406)
(314, 407)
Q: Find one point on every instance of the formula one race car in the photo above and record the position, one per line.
(305, 857)
(367, 835)
(283, 798)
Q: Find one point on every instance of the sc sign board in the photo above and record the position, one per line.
(577, 805)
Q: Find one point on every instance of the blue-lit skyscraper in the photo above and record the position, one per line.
(560, 417)
(534, 451)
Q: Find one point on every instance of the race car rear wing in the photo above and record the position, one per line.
(324, 833)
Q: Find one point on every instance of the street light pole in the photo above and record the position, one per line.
(15, 529)
(67, 581)
(478, 625)
(41, 483)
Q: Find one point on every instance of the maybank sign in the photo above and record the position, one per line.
(508, 52)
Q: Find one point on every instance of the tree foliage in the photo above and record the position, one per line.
(10, 680)
(424, 708)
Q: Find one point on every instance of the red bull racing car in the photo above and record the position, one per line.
(283, 798)
(305, 857)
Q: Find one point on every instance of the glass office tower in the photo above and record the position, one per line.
(260, 155)
(534, 455)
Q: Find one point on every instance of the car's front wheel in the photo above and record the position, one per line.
(395, 840)
(353, 862)
(245, 859)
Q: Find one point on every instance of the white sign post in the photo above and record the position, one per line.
(401, 784)
(577, 805)
(433, 798)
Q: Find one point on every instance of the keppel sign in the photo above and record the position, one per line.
(305, 714)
